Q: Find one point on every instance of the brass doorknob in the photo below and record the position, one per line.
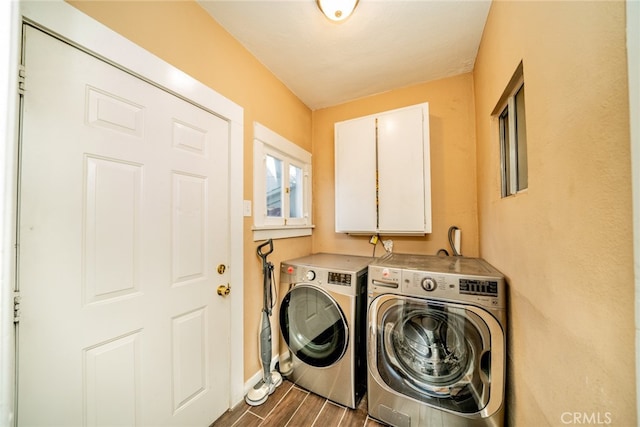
(224, 290)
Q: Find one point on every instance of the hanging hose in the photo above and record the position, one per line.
(452, 243)
(452, 230)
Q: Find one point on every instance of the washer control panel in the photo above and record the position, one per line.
(450, 287)
(453, 279)
(428, 284)
(479, 287)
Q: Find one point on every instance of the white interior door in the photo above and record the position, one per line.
(123, 219)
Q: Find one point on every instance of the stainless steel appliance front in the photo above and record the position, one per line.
(322, 321)
(436, 341)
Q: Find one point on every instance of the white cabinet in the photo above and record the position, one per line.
(355, 176)
(382, 173)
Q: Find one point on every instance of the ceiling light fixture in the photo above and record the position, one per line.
(337, 10)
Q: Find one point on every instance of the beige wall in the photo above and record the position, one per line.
(565, 244)
(453, 167)
(184, 35)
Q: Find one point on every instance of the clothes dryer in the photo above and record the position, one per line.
(436, 341)
(322, 321)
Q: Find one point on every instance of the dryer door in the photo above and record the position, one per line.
(438, 353)
(313, 326)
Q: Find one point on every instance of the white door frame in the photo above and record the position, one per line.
(82, 31)
(9, 48)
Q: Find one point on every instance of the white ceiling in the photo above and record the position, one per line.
(384, 45)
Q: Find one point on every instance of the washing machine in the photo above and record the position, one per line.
(436, 341)
(323, 323)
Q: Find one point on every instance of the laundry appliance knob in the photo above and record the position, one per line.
(428, 284)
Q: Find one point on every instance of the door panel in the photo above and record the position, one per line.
(112, 381)
(188, 227)
(123, 218)
(112, 202)
(401, 146)
(356, 176)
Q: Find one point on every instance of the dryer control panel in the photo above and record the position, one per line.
(342, 279)
(304, 274)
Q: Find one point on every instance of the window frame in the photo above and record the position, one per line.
(269, 143)
(511, 122)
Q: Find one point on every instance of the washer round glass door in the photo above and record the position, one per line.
(313, 326)
(438, 353)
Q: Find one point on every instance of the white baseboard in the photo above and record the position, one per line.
(257, 377)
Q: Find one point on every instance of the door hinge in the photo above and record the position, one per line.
(21, 79)
(16, 307)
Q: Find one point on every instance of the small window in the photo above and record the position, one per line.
(275, 186)
(282, 187)
(513, 136)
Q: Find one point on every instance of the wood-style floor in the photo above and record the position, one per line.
(293, 406)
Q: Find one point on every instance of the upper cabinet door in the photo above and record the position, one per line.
(355, 176)
(403, 171)
(383, 173)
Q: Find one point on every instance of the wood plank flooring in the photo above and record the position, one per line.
(293, 406)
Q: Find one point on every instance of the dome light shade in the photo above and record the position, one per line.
(337, 10)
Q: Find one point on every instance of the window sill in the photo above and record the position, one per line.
(516, 194)
(278, 232)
